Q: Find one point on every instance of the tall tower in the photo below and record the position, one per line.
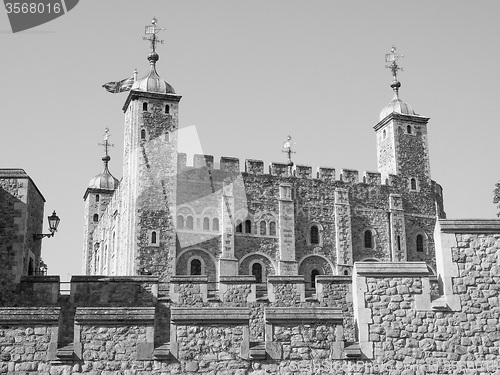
(97, 196)
(147, 237)
(402, 137)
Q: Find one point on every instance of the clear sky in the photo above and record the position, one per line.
(250, 73)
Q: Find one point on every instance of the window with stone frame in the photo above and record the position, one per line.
(239, 226)
(314, 235)
(272, 228)
(206, 223)
(143, 134)
(420, 243)
(195, 267)
(408, 129)
(257, 272)
(248, 226)
(314, 273)
(189, 222)
(97, 197)
(95, 218)
(263, 228)
(180, 221)
(215, 224)
(413, 183)
(153, 238)
(368, 239)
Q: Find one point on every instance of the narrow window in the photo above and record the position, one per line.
(413, 184)
(263, 229)
(97, 197)
(346, 272)
(189, 222)
(180, 221)
(143, 134)
(31, 268)
(167, 137)
(153, 237)
(384, 134)
(195, 267)
(206, 223)
(399, 243)
(239, 227)
(314, 273)
(96, 218)
(144, 106)
(314, 235)
(408, 129)
(167, 109)
(420, 243)
(215, 224)
(368, 239)
(272, 228)
(257, 272)
(248, 226)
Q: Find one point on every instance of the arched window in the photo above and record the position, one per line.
(272, 228)
(239, 226)
(215, 224)
(413, 184)
(384, 134)
(314, 273)
(180, 221)
(96, 218)
(31, 267)
(97, 197)
(408, 129)
(195, 267)
(206, 223)
(314, 235)
(144, 106)
(368, 239)
(257, 272)
(263, 229)
(167, 109)
(189, 222)
(346, 272)
(420, 243)
(143, 134)
(248, 226)
(153, 237)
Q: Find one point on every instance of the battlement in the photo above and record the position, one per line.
(280, 169)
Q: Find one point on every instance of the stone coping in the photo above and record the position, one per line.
(334, 279)
(241, 279)
(111, 315)
(285, 279)
(470, 226)
(19, 315)
(306, 314)
(179, 279)
(387, 269)
(118, 279)
(40, 279)
(210, 315)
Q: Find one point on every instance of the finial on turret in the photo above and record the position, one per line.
(106, 146)
(153, 30)
(394, 67)
(287, 148)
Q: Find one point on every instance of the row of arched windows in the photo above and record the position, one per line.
(188, 223)
(145, 107)
(264, 228)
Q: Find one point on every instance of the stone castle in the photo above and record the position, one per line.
(198, 269)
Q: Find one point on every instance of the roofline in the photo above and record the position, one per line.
(19, 173)
(135, 94)
(400, 116)
(94, 190)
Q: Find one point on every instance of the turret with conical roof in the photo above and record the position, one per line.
(97, 196)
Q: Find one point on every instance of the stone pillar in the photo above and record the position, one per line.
(287, 264)
(397, 229)
(228, 264)
(343, 227)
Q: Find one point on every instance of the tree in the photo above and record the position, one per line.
(496, 196)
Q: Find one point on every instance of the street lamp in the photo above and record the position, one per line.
(53, 224)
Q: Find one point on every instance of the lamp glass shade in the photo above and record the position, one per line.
(53, 222)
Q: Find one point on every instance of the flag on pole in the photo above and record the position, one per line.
(119, 86)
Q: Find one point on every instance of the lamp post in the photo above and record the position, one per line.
(53, 224)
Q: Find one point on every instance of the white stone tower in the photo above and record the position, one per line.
(148, 188)
(402, 147)
(97, 196)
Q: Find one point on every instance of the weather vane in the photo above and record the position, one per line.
(153, 30)
(287, 146)
(392, 58)
(106, 144)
